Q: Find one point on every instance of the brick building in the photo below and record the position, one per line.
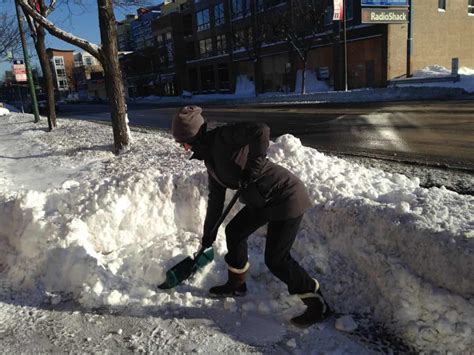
(442, 30)
(124, 36)
(89, 76)
(211, 46)
(62, 64)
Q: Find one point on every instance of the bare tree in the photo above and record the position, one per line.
(107, 54)
(250, 36)
(9, 37)
(38, 35)
(301, 26)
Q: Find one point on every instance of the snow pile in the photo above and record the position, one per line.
(312, 84)
(4, 111)
(466, 76)
(105, 232)
(244, 86)
(432, 70)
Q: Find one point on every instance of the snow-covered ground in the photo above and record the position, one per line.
(320, 91)
(86, 236)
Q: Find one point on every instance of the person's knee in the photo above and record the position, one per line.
(231, 233)
(273, 264)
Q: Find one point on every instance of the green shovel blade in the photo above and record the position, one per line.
(186, 268)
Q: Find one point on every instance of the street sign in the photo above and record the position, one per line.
(396, 3)
(338, 10)
(19, 70)
(382, 15)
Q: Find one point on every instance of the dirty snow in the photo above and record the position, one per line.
(80, 224)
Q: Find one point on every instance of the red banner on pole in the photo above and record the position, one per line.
(19, 70)
(338, 10)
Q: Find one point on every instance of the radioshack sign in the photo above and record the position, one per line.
(19, 70)
(382, 15)
(395, 3)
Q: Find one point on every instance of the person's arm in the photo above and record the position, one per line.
(254, 134)
(215, 205)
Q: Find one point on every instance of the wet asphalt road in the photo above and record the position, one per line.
(434, 133)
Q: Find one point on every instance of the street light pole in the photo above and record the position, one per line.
(345, 45)
(409, 38)
(27, 65)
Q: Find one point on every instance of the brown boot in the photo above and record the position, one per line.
(235, 285)
(318, 310)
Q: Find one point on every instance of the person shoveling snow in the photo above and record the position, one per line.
(235, 158)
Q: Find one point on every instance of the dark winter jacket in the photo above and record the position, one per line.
(227, 151)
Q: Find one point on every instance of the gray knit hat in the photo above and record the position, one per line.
(186, 124)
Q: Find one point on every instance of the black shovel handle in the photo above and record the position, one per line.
(220, 220)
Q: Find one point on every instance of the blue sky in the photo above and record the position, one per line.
(81, 21)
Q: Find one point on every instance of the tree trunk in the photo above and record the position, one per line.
(303, 76)
(47, 75)
(113, 75)
(257, 65)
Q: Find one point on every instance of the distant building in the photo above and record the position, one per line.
(169, 35)
(442, 30)
(89, 76)
(124, 37)
(141, 28)
(62, 63)
(206, 46)
(157, 67)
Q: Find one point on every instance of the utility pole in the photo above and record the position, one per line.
(31, 84)
(409, 38)
(345, 45)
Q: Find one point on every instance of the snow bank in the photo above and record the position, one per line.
(244, 86)
(312, 84)
(108, 230)
(4, 111)
(466, 76)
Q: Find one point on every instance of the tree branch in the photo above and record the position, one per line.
(93, 49)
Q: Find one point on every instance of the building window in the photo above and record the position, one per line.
(238, 8)
(442, 5)
(59, 61)
(328, 14)
(221, 44)
(219, 14)
(239, 40)
(202, 18)
(60, 73)
(470, 8)
(208, 81)
(62, 85)
(159, 39)
(205, 47)
(223, 75)
(88, 61)
(168, 36)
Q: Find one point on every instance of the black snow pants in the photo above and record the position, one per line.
(280, 238)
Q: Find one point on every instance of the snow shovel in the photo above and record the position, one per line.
(187, 267)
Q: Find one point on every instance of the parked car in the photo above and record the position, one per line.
(43, 104)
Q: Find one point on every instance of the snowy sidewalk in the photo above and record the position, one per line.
(82, 227)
